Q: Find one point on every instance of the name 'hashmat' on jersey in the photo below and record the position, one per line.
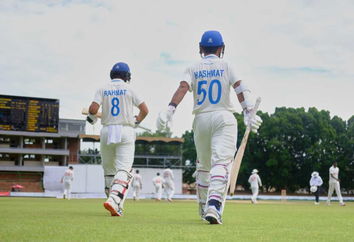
(208, 73)
(114, 92)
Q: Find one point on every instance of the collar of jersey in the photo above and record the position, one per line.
(210, 56)
(117, 80)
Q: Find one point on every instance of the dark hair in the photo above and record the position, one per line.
(120, 74)
(137, 171)
(158, 173)
(209, 49)
(71, 168)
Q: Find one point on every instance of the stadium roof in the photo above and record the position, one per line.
(96, 138)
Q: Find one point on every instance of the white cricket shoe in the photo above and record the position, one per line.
(212, 215)
(342, 204)
(316, 203)
(113, 207)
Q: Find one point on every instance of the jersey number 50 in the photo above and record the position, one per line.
(203, 93)
(115, 110)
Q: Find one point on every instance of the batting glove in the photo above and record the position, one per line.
(92, 119)
(254, 122)
(164, 120)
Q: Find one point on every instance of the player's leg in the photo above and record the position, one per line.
(317, 196)
(256, 191)
(134, 192)
(330, 192)
(159, 193)
(137, 192)
(338, 192)
(252, 197)
(108, 156)
(65, 191)
(166, 190)
(171, 186)
(69, 190)
(202, 140)
(223, 146)
(124, 157)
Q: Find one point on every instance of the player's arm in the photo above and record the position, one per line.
(321, 181)
(180, 93)
(93, 110)
(165, 117)
(143, 112)
(259, 181)
(243, 96)
(334, 177)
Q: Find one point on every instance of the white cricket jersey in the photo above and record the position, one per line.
(335, 172)
(157, 181)
(117, 100)
(68, 176)
(316, 181)
(211, 80)
(255, 180)
(167, 174)
(137, 180)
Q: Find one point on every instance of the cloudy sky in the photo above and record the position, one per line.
(291, 53)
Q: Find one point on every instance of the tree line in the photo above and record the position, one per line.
(289, 146)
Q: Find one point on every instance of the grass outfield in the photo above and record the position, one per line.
(47, 219)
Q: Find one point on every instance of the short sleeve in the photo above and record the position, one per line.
(188, 78)
(98, 97)
(136, 99)
(233, 78)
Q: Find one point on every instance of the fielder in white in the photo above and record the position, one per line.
(158, 182)
(169, 185)
(316, 183)
(334, 184)
(212, 81)
(67, 181)
(255, 182)
(137, 185)
(117, 140)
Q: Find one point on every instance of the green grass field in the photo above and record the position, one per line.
(46, 219)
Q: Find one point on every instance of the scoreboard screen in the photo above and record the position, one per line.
(29, 114)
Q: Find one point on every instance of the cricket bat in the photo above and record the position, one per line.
(241, 150)
(99, 115)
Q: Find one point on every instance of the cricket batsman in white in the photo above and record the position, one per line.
(255, 182)
(169, 185)
(137, 185)
(67, 181)
(212, 81)
(117, 138)
(158, 182)
(334, 184)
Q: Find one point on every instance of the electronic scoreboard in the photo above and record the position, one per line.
(29, 114)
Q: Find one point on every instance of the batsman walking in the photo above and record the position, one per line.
(215, 129)
(117, 139)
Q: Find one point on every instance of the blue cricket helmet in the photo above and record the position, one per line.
(211, 38)
(120, 70)
(121, 67)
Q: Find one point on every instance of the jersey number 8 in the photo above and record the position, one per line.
(201, 91)
(115, 110)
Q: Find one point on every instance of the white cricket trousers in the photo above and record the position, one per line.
(119, 156)
(169, 188)
(158, 192)
(255, 191)
(67, 189)
(136, 192)
(215, 136)
(334, 186)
